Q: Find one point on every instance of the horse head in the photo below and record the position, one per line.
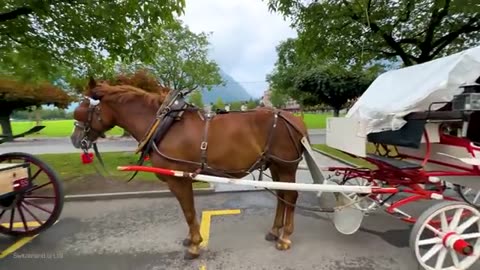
(92, 118)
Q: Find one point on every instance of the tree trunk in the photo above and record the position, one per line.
(6, 125)
(336, 112)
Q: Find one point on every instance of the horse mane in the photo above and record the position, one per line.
(127, 86)
(124, 94)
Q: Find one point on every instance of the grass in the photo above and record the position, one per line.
(316, 121)
(63, 128)
(70, 168)
(53, 128)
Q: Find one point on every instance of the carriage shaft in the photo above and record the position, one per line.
(263, 184)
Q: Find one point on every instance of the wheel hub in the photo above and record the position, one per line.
(453, 241)
(8, 202)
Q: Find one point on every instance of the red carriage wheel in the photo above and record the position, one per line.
(35, 208)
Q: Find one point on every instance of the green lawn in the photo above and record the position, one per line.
(53, 128)
(70, 168)
(63, 128)
(316, 121)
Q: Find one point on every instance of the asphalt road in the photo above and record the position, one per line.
(63, 145)
(147, 233)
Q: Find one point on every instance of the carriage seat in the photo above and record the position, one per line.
(396, 163)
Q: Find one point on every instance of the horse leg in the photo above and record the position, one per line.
(183, 191)
(290, 197)
(284, 241)
(275, 232)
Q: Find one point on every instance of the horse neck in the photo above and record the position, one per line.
(135, 118)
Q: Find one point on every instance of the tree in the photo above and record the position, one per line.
(332, 86)
(219, 104)
(235, 105)
(16, 95)
(362, 32)
(45, 40)
(289, 65)
(251, 104)
(278, 99)
(179, 58)
(196, 99)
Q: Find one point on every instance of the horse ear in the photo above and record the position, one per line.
(92, 83)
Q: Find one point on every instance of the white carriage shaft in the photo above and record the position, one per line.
(9, 173)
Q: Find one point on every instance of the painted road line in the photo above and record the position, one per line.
(205, 226)
(17, 245)
(206, 220)
(22, 242)
(17, 225)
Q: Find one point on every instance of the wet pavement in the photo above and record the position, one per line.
(147, 234)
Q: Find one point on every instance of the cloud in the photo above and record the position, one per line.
(244, 37)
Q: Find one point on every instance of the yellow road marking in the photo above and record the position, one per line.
(205, 226)
(206, 220)
(20, 224)
(20, 243)
(23, 241)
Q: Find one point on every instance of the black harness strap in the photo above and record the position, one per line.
(204, 144)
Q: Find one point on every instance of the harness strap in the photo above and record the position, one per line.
(264, 157)
(204, 144)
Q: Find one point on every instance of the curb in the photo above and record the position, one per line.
(132, 195)
(336, 158)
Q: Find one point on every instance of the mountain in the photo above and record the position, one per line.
(231, 91)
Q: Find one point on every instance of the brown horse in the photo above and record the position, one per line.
(235, 142)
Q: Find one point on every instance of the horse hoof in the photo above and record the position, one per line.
(191, 256)
(186, 242)
(271, 237)
(283, 244)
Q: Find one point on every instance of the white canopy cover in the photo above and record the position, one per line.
(397, 93)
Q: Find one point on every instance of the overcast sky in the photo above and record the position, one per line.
(244, 37)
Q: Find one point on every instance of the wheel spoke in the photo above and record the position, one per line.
(430, 241)
(31, 214)
(476, 197)
(22, 217)
(455, 260)
(38, 187)
(39, 197)
(470, 236)
(37, 206)
(432, 252)
(467, 224)
(443, 218)
(441, 258)
(456, 219)
(12, 215)
(36, 174)
(433, 229)
(3, 212)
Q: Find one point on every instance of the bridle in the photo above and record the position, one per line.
(93, 110)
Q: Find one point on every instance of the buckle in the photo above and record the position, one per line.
(203, 146)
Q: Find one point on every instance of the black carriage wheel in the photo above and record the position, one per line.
(18, 210)
(475, 201)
